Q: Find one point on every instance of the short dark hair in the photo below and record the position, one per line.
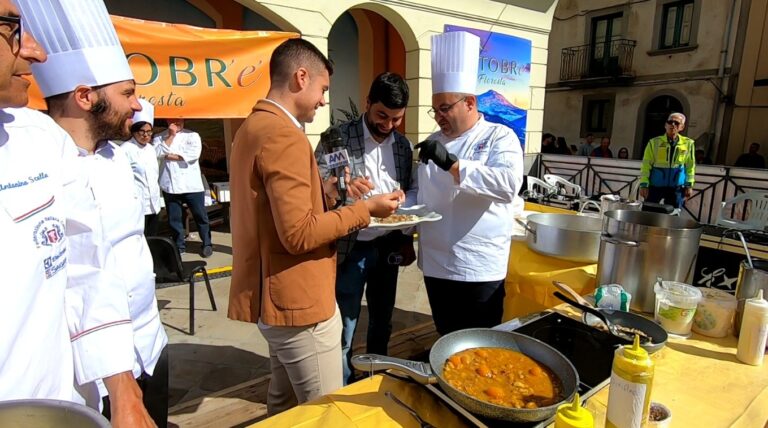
(57, 103)
(295, 53)
(389, 89)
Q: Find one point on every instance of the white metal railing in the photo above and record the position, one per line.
(714, 183)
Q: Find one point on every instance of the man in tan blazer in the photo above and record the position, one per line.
(283, 236)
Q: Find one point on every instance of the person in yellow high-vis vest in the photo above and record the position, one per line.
(669, 165)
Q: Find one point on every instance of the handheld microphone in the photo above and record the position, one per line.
(336, 158)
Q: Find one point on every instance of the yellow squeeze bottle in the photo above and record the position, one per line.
(572, 415)
(629, 396)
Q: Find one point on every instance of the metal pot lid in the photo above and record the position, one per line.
(654, 220)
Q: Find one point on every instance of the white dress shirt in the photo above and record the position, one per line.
(380, 169)
(35, 352)
(146, 173)
(130, 264)
(182, 176)
(471, 243)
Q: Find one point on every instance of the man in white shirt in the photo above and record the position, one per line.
(472, 172)
(114, 324)
(381, 161)
(35, 352)
(143, 159)
(179, 152)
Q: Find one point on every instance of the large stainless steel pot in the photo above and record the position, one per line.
(637, 247)
(458, 341)
(751, 279)
(564, 236)
(615, 202)
(49, 413)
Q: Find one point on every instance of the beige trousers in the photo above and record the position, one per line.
(305, 362)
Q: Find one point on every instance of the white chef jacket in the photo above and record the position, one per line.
(379, 160)
(35, 352)
(146, 173)
(471, 243)
(182, 176)
(129, 261)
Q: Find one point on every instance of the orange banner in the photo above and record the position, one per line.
(194, 72)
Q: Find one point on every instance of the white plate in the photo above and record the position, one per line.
(417, 210)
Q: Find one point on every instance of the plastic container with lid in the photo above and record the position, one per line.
(629, 394)
(714, 314)
(675, 306)
(754, 331)
(572, 415)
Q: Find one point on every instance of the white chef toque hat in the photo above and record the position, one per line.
(455, 57)
(81, 43)
(147, 113)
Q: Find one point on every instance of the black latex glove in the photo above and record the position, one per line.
(432, 150)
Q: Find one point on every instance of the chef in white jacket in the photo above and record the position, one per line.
(179, 150)
(143, 158)
(35, 353)
(114, 324)
(471, 173)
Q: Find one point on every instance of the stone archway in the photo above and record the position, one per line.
(652, 114)
(363, 43)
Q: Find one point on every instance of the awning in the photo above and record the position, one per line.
(194, 72)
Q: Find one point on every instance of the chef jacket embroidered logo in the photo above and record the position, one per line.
(480, 150)
(55, 263)
(48, 231)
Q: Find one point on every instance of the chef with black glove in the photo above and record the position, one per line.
(471, 173)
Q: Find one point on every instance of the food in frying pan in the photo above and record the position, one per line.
(503, 377)
(395, 218)
(626, 332)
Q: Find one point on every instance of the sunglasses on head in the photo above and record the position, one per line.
(673, 122)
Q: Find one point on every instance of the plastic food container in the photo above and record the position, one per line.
(675, 306)
(612, 296)
(714, 314)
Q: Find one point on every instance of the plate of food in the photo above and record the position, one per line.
(405, 217)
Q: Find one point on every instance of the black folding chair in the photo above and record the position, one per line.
(169, 268)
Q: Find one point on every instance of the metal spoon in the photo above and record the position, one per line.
(422, 422)
(746, 249)
(614, 329)
(565, 289)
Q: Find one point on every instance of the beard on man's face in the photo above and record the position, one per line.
(108, 124)
(374, 129)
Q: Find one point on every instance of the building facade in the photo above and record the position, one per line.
(618, 68)
(366, 38)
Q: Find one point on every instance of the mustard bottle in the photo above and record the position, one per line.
(572, 415)
(754, 331)
(629, 397)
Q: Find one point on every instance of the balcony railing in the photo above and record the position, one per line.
(612, 60)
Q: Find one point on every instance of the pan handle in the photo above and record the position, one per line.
(525, 226)
(418, 371)
(607, 237)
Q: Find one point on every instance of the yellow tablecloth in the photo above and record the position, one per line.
(529, 277)
(363, 404)
(698, 379)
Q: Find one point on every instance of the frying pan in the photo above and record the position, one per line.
(458, 341)
(658, 337)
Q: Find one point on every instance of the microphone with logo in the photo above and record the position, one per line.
(336, 159)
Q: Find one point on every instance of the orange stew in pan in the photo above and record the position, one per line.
(504, 377)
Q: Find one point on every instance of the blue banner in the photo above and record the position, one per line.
(503, 79)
